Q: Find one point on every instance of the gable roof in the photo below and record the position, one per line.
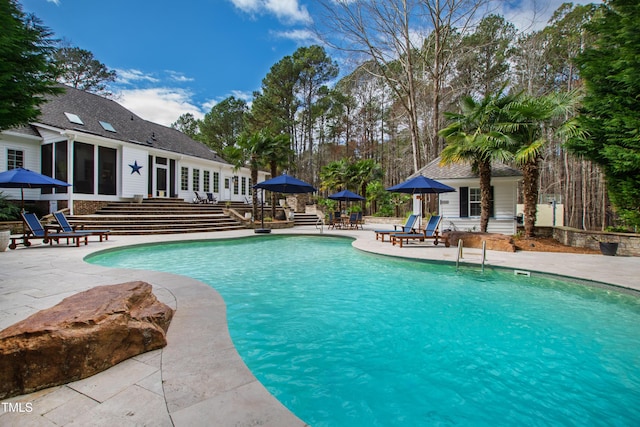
(433, 170)
(93, 109)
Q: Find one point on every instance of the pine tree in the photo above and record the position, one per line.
(26, 72)
(611, 107)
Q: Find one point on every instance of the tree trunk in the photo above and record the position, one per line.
(530, 173)
(254, 180)
(484, 171)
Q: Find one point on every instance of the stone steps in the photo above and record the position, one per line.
(161, 216)
(305, 219)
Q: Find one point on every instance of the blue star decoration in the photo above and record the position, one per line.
(135, 168)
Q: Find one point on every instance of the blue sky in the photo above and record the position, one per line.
(183, 57)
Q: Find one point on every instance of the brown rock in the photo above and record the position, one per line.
(82, 335)
(495, 242)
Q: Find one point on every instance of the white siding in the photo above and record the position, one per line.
(504, 194)
(132, 183)
(31, 159)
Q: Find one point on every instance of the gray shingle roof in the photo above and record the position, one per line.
(129, 127)
(463, 170)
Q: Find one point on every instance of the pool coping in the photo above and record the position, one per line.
(199, 377)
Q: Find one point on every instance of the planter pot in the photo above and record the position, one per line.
(4, 239)
(138, 198)
(608, 249)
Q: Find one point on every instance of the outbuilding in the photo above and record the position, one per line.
(461, 210)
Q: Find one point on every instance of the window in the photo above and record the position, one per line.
(107, 171)
(206, 181)
(235, 185)
(83, 168)
(15, 159)
(474, 202)
(46, 164)
(161, 160)
(250, 187)
(184, 178)
(216, 182)
(60, 164)
(108, 127)
(196, 180)
(244, 185)
(74, 118)
(470, 202)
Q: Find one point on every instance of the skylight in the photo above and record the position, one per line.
(74, 118)
(107, 126)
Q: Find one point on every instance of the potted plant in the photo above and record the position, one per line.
(8, 212)
(606, 248)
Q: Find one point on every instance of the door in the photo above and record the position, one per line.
(161, 181)
(227, 189)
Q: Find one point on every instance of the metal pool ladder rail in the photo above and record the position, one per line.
(484, 254)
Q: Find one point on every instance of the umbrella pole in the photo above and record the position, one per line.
(262, 230)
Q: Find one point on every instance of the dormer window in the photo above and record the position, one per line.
(108, 127)
(74, 118)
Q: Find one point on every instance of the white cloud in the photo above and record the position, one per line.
(56, 2)
(285, 10)
(531, 15)
(179, 77)
(298, 36)
(241, 94)
(160, 105)
(133, 75)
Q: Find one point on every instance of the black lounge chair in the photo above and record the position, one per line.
(199, 198)
(211, 198)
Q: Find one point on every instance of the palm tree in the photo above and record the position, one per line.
(473, 137)
(335, 175)
(530, 120)
(248, 152)
(276, 151)
(362, 173)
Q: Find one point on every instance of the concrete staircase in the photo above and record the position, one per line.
(161, 216)
(305, 219)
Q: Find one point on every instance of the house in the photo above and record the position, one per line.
(110, 154)
(461, 210)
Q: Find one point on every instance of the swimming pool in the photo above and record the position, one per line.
(343, 337)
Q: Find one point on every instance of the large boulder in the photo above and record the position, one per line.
(81, 336)
(495, 241)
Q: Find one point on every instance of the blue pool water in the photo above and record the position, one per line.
(345, 338)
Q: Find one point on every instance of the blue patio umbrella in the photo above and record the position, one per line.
(421, 185)
(285, 184)
(25, 178)
(281, 184)
(345, 196)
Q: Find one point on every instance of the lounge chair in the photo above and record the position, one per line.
(37, 231)
(63, 222)
(429, 232)
(199, 198)
(211, 198)
(406, 228)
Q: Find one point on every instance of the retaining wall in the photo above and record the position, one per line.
(628, 243)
